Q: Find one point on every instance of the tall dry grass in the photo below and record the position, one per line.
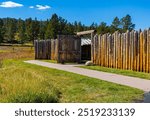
(10, 52)
(20, 84)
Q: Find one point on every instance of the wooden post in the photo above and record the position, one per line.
(149, 50)
(138, 51)
(144, 50)
(141, 51)
(99, 49)
(127, 49)
(135, 50)
(92, 48)
(57, 49)
(147, 54)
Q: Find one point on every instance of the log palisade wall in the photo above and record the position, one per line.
(66, 48)
(130, 50)
(69, 48)
(42, 49)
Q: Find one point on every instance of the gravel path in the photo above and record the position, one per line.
(119, 79)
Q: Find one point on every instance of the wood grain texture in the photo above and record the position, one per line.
(130, 50)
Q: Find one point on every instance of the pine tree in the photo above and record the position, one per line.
(70, 29)
(127, 23)
(1, 31)
(42, 29)
(48, 30)
(116, 25)
(103, 28)
(20, 34)
(53, 27)
(62, 26)
(29, 29)
(93, 26)
(35, 29)
(10, 29)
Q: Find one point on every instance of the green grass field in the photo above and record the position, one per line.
(22, 82)
(119, 71)
(25, 83)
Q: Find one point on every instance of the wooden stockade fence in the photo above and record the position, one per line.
(130, 50)
(42, 49)
(66, 48)
(54, 50)
(69, 48)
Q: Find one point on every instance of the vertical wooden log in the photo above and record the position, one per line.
(101, 43)
(127, 49)
(149, 50)
(96, 49)
(112, 50)
(147, 54)
(39, 50)
(44, 49)
(105, 47)
(138, 51)
(132, 45)
(121, 50)
(109, 51)
(94, 56)
(144, 50)
(49, 47)
(35, 49)
(116, 50)
(92, 48)
(102, 57)
(58, 49)
(80, 48)
(99, 49)
(141, 51)
(124, 51)
(135, 50)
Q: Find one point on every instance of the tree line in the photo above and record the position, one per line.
(22, 31)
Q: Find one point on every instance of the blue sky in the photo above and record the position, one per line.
(86, 11)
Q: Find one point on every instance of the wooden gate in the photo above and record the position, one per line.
(69, 48)
(66, 48)
(42, 49)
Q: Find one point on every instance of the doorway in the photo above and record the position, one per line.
(85, 49)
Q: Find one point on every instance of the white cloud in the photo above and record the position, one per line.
(10, 4)
(42, 7)
(31, 7)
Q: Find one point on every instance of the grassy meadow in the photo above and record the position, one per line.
(25, 83)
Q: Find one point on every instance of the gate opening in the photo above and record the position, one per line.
(86, 44)
(85, 49)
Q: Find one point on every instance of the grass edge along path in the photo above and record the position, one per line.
(23, 82)
(119, 71)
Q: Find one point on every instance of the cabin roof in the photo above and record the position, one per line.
(85, 32)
